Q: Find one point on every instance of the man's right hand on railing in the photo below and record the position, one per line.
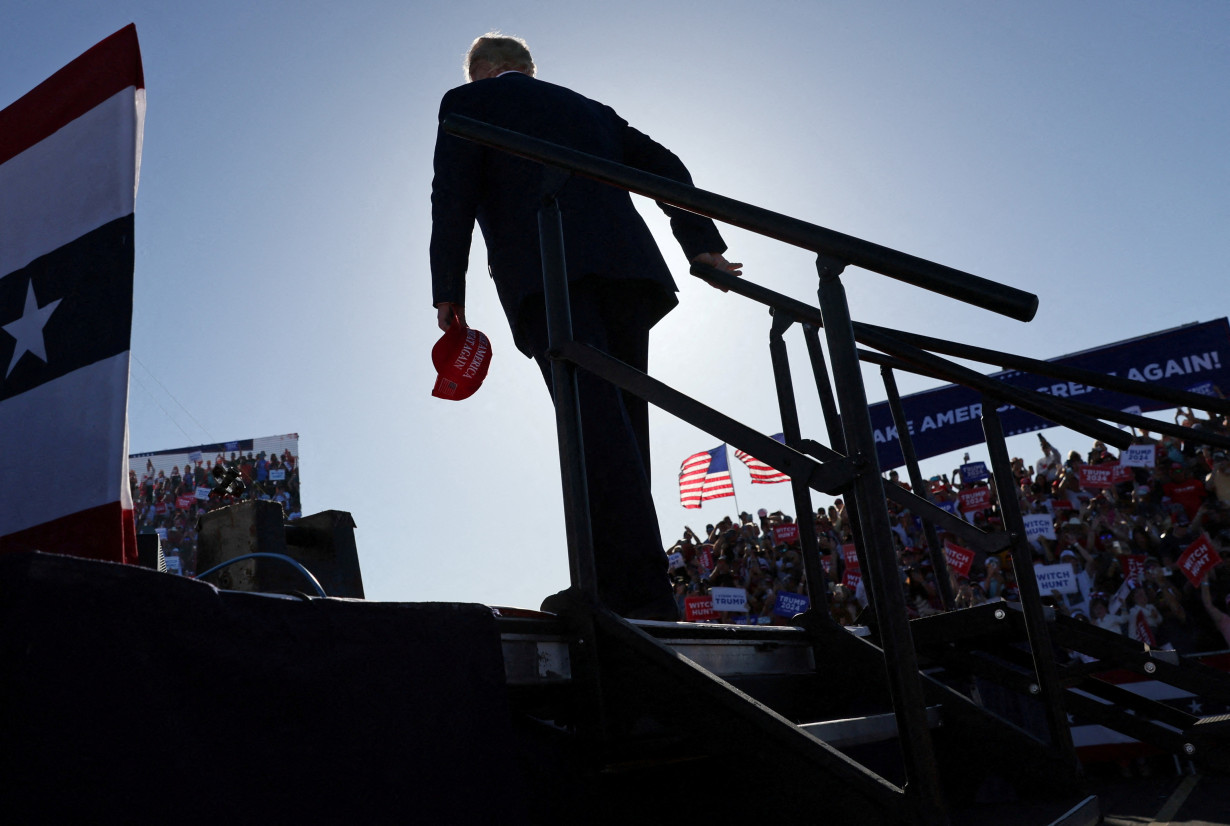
(718, 261)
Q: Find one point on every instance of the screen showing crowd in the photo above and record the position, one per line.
(172, 488)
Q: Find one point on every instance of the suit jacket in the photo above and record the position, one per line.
(604, 236)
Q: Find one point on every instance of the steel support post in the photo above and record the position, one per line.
(567, 406)
(939, 562)
(837, 439)
(817, 584)
(1049, 687)
(586, 669)
(824, 388)
(881, 571)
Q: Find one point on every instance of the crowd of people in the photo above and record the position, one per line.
(169, 503)
(1124, 530)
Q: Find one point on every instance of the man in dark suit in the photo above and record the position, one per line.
(619, 283)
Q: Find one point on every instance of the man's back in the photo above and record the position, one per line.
(620, 285)
(604, 234)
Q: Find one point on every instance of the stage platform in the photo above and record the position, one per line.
(128, 695)
(535, 649)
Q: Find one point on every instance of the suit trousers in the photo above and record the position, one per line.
(614, 317)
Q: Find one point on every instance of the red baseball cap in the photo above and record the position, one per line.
(461, 356)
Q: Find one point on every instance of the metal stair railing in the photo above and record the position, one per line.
(850, 464)
(1077, 415)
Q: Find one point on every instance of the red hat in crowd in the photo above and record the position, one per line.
(461, 356)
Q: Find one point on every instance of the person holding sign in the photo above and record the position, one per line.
(1175, 631)
(1048, 466)
(994, 585)
(1104, 619)
(1185, 490)
(1144, 619)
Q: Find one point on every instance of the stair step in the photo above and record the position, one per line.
(857, 731)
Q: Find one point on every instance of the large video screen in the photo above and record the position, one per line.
(172, 488)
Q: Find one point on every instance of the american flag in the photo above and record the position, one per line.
(704, 475)
(761, 473)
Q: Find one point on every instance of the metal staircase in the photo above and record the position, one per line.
(636, 705)
(802, 711)
(986, 642)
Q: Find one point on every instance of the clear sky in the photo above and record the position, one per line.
(1076, 150)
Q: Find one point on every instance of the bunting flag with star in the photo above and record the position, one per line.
(69, 159)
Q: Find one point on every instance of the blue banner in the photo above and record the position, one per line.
(974, 471)
(789, 604)
(950, 417)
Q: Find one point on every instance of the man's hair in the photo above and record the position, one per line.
(501, 52)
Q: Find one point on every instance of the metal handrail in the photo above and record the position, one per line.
(962, 286)
(1080, 416)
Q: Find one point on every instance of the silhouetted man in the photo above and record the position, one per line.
(619, 283)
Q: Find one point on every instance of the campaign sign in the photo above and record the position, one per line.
(975, 499)
(185, 502)
(202, 493)
(852, 579)
(788, 604)
(277, 476)
(1141, 631)
(1120, 596)
(1133, 566)
(1039, 525)
(194, 456)
(786, 534)
(849, 556)
(729, 599)
(1139, 456)
(1205, 388)
(974, 471)
(1059, 578)
(1198, 559)
(706, 557)
(674, 561)
(1094, 477)
(699, 609)
(959, 559)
